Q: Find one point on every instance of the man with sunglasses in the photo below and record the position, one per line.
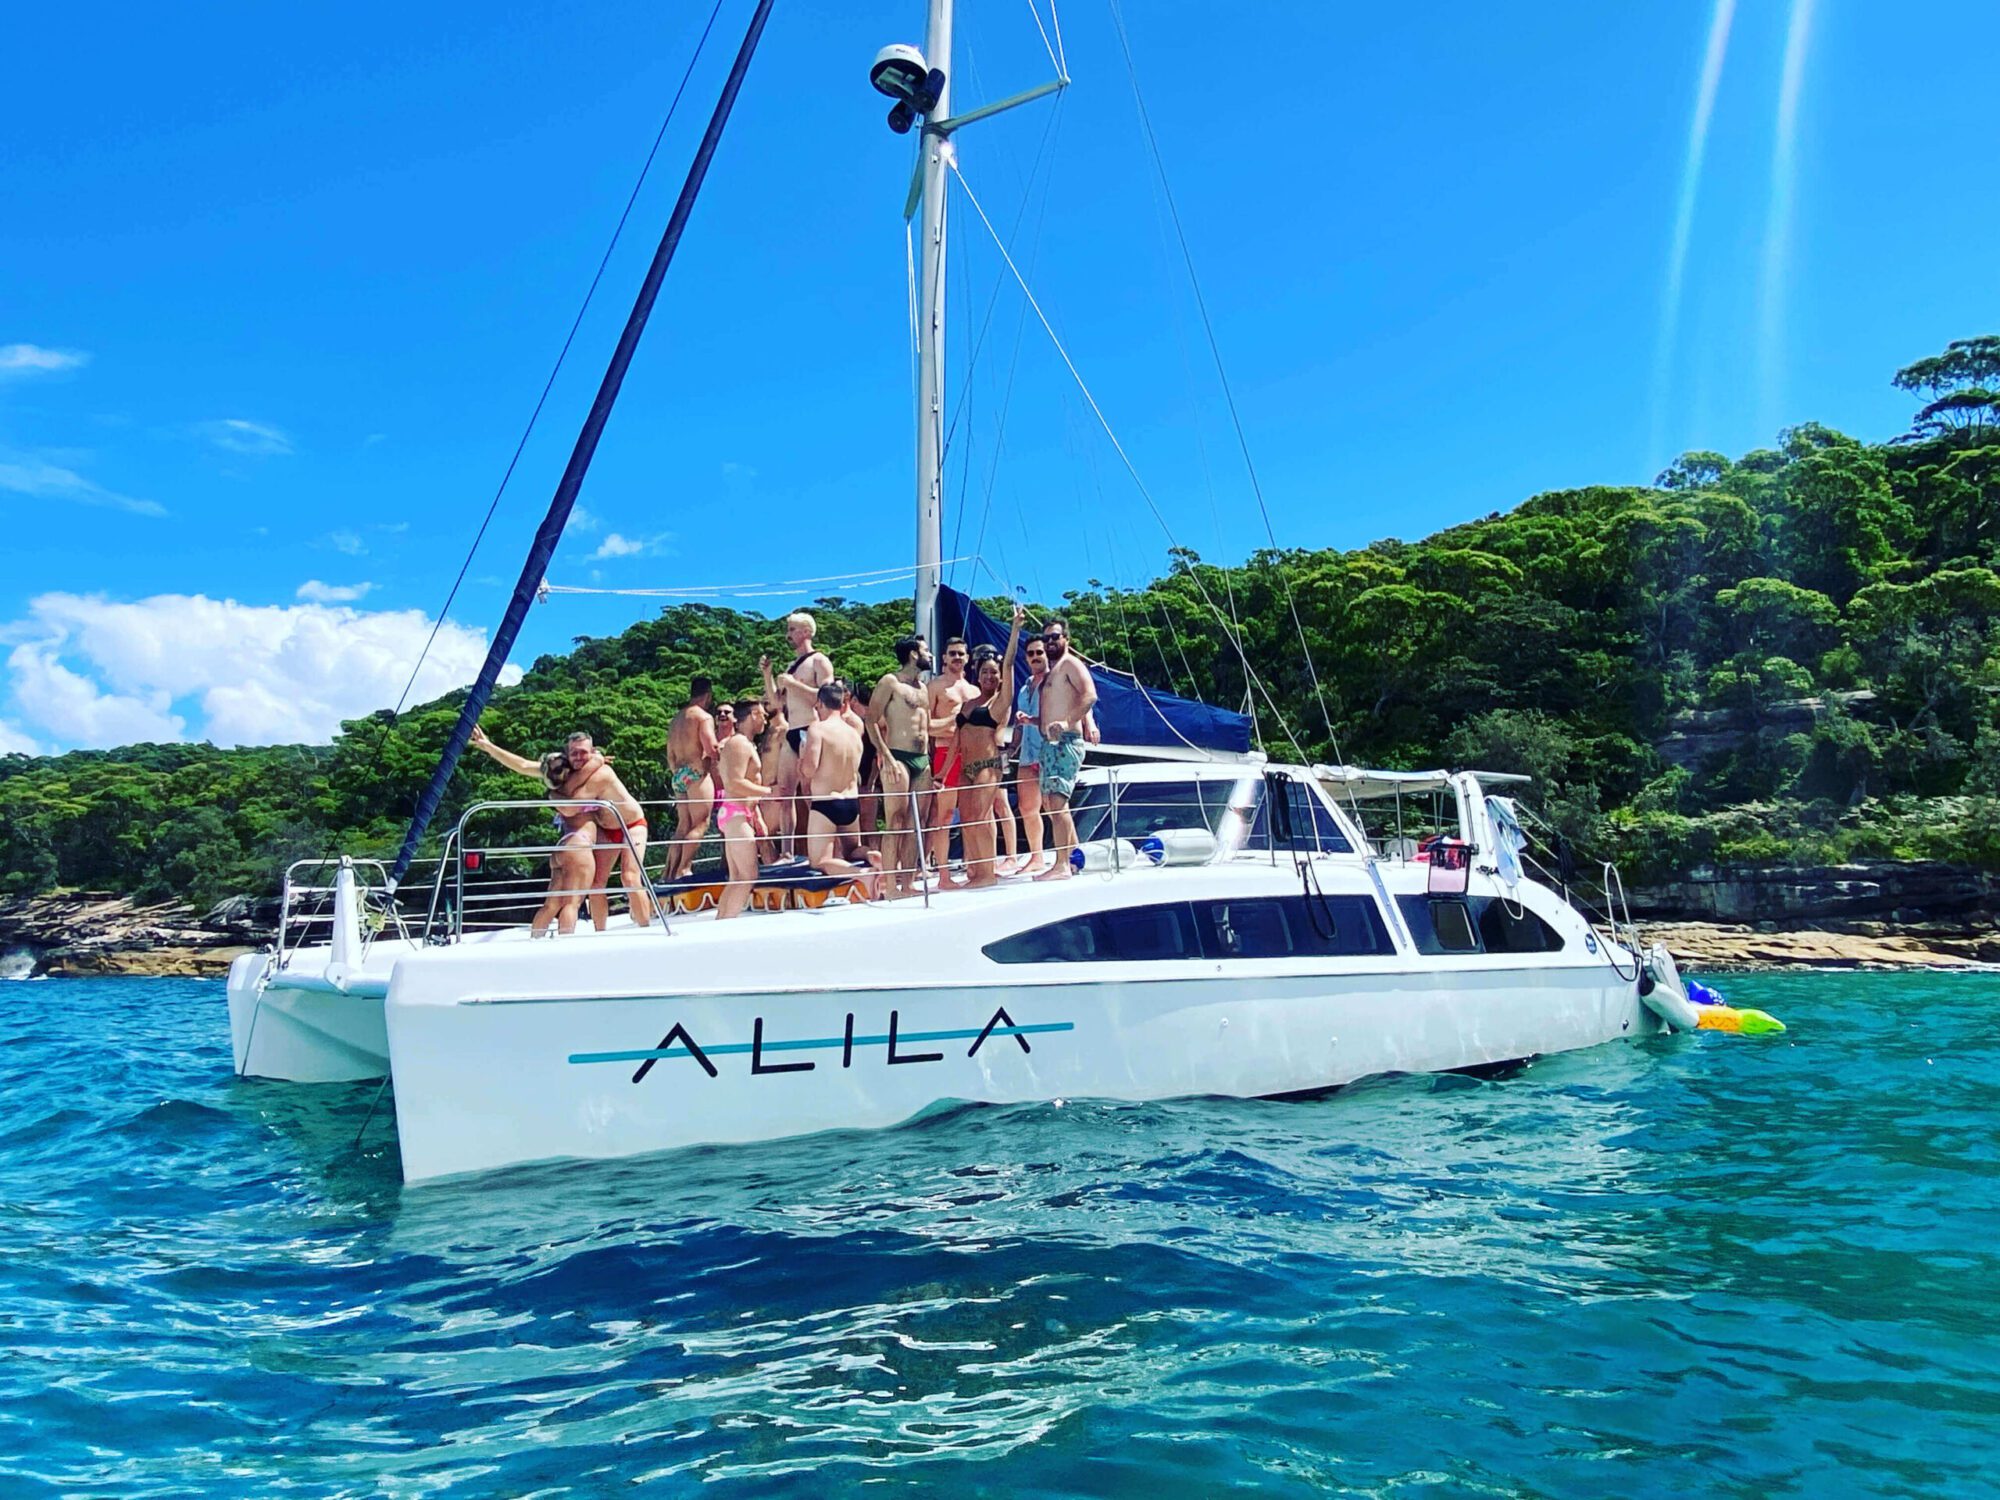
(1068, 694)
(1028, 772)
(947, 693)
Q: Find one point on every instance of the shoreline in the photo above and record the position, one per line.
(1700, 946)
(91, 935)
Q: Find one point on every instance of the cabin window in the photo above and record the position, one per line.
(1476, 924)
(1130, 934)
(1145, 807)
(1512, 928)
(1291, 927)
(1260, 927)
(1313, 827)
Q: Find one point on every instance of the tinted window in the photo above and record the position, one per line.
(1131, 934)
(1440, 924)
(1509, 928)
(1263, 927)
(1291, 927)
(1476, 924)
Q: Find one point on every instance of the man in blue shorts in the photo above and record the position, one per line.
(1069, 693)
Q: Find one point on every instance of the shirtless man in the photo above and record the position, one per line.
(1068, 696)
(691, 751)
(810, 672)
(592, 780)
(867, 778)
(947, 693)
(830, 766)
(736, 807)
(900, 728)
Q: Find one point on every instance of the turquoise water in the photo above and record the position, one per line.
(1711, 1265)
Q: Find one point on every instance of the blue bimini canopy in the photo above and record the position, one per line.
(1128, 712)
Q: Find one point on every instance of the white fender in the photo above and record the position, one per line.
(1668, 997)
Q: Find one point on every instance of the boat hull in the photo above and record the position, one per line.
(311, 1034)
(481, 1084)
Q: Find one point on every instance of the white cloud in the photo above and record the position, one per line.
(582, 520)
(254, 439)
(347, 542)
(80, 711)
(32, 359)
(95, 672)
(616, 544)
(15, 740)
(315, 592)
(35, 476)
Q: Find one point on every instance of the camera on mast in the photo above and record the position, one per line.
(901, 73)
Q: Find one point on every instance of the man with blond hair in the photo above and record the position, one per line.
(797, 690)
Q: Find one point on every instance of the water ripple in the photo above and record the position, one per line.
(1713, 1264)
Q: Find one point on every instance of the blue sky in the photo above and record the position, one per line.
(278, 288)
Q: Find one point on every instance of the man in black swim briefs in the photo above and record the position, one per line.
(829, 766)
(899, 724)
(809, 672)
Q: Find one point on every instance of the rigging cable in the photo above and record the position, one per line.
(865, 579)
(384, 723)
(1014, 362)
(548, 535)
(549, 384)
(1125, 458)
(1215, 349)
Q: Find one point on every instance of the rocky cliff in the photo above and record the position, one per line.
(92, 932)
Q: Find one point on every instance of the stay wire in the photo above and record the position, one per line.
(549, 385)
(999, 279)
(1125, 458)
(1222, 373)
(451, 596)
(1014, 361)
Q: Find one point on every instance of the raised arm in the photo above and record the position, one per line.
(819, 665)
(1005, 708)
(770, 684)
(507, 758)
(573, 783)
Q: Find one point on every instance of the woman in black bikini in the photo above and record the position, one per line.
(979, 726)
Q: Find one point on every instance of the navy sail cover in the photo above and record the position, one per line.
(1128, 712)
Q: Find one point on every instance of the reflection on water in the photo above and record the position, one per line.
(1703, 1262)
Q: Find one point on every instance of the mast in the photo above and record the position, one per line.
(564, 500)
(930, 327)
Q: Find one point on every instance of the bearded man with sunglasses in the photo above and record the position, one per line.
(1068, 695)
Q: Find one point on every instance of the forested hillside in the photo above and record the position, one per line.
(1792, 657)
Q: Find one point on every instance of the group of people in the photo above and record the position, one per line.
(810, 769)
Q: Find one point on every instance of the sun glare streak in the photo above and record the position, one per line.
(1670, 303)
(1778, 226)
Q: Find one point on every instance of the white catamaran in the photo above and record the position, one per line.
(1238, 927)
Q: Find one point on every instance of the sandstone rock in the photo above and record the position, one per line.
(91, 932)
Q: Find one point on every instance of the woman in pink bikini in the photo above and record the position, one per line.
(739, 769)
